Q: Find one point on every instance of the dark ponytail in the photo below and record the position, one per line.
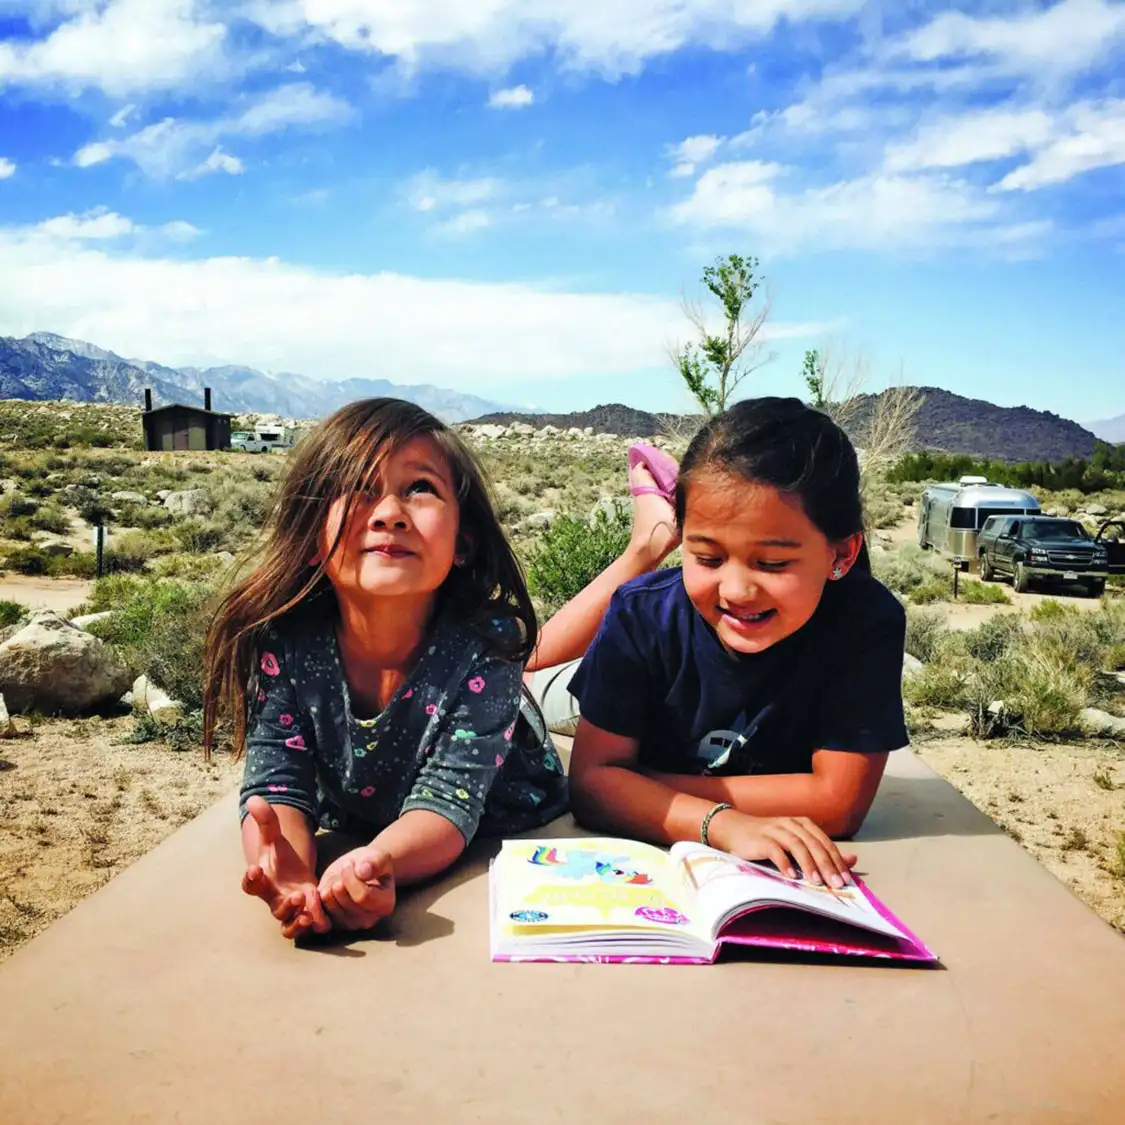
(786, 444)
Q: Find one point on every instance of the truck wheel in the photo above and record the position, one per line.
(1095, 587)
(986, 571)
(1021, 583)
(265, 449)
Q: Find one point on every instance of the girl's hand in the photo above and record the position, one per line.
(358, 889)
(781, 840)
(281, 879)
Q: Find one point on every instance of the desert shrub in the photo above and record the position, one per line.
(190, 567)
(1049, 609)
(940, 684)
(17, 527)
(1115, 657)
(197, 536)
(41, 489)
(908, 567)
(16, 504)
(241, 507)
(925, 630)
(571, 552)
(27, 560)
(882, 511)
(157, 628)
(994, 638)
(980, 593)
(183, 734)
(94, 510)
(52, 518)
(149, 517)
(10, 613)
(80, 564)
(934, 589)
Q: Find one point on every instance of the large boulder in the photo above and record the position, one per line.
(129, 497)
(190, 502)
(51, 666)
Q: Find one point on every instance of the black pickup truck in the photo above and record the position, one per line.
(1044, 549)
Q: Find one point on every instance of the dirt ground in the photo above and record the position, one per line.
(59, 594)
(79, 806)
(1064, 803)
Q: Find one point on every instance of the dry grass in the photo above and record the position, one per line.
(80, 807)
(1055, 801)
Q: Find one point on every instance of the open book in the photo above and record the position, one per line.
(618, 900)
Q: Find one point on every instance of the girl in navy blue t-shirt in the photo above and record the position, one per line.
(751, 697)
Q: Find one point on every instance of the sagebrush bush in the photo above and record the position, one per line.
(158, 628)
(909, 567)
(51, 517)
(197, 536)
(934, 589)
(925, 631)
(979, 593)
(15, 504)
(571, 552)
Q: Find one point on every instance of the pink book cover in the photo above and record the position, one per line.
(762, 924)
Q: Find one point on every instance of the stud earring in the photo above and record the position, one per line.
(837, 573)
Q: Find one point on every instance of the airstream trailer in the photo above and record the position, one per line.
(951, 515)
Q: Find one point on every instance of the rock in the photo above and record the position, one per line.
(7, 727)
(608, 504)
(574, 432)
(521, 429)
(911, 666)
(86, 619)
(52, 666)
(1097, 510)
(1101, 724)
(542, 519)
(190, 502)
(223, 557)
(490, 430)
(156, 702)
(163, 494)
(548, 431)
(129, 497)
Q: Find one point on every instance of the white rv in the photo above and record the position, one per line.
(262, 441)
(951, 515)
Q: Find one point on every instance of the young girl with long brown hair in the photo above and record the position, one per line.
(370, 665)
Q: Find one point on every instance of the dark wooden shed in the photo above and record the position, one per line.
(177, 426)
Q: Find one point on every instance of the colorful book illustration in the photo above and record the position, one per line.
(619, 900)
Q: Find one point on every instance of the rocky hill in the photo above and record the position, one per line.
(946, 421)
(44, 367)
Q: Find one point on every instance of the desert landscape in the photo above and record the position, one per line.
(86, 796)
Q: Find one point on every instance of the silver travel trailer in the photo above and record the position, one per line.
(951, 515)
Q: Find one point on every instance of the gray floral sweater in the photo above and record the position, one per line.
(459, 738)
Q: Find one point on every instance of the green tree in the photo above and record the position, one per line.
(714, 365)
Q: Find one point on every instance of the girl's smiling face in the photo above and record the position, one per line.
(400, 540)
(755, 565)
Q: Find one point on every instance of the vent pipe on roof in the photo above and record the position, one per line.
(206, 398)
(148, 399)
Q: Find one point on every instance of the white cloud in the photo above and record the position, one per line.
(427, 191)
(212, 310)
(94, 225)
(7, 168)
(121, 118)
(1092, 136)
(467, 222)
(873, 212)
(187, 149)
(120, 46)
(1065, 38)
(952, 142)
(691, 152)
(515, 97)
(489, 36)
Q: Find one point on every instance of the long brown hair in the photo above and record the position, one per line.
(343, 456)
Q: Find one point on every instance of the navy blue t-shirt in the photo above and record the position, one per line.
(658, 673)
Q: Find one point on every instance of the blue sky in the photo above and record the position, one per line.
(512, 197)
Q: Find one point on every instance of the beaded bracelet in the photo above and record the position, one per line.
(707, 822)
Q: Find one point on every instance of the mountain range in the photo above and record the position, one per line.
(945, 421)
(1110, 429)
(45, 366)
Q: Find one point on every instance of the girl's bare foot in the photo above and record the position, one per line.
(655, 534)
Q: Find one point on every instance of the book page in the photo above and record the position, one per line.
(725, 885)
(594, 885)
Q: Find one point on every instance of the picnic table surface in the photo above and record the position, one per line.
(170, 997)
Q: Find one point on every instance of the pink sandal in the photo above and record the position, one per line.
(664, 470)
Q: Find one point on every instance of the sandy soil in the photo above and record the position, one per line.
(79, 806)
(1065, 804)
(59, 594)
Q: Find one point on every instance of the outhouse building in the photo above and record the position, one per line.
(177, 426)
